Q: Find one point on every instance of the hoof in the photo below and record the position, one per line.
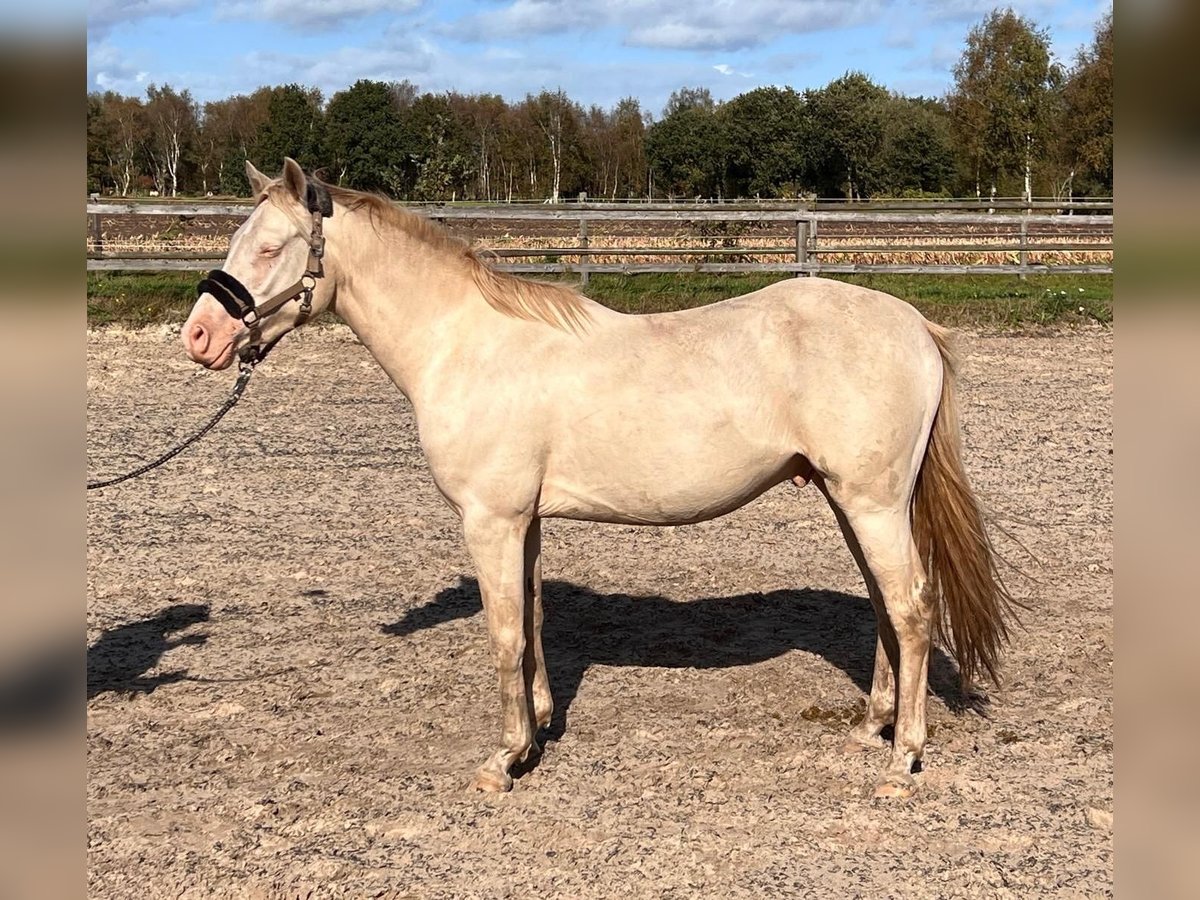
(862, 745)
(492, 782)
(895, 786)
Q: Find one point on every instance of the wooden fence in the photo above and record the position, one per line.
(804, 241)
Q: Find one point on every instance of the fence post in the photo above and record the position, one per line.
(94, 230)
(801, 244)
(1023, 252)
(583, 257)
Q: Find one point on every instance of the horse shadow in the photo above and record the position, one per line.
(120, 658)
(585, 628)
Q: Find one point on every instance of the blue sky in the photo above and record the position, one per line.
(596, 50)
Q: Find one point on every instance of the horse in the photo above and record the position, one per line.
(533, 401)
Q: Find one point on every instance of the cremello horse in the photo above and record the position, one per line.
(533, 401)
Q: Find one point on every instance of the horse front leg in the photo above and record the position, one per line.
(497, 545)
(535, 659)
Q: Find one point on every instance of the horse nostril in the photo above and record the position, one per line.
(198, 338)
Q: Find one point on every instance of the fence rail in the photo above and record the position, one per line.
(830, 204)
(815, 241)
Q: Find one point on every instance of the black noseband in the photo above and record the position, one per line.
(230, 293)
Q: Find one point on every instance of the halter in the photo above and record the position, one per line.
(239, 302)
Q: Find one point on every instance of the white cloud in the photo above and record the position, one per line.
(109, 70)
(335, 70)
(669, 24)
(103, 15)
(968, 10)
(726, 69)
(315, 14)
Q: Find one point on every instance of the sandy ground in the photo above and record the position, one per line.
(289, 682)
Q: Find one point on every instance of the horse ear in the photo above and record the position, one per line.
(295, 179)
(258, 181)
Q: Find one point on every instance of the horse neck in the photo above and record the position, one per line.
(407, 301)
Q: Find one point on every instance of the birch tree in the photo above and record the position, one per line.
(557, 118)
(122, 128)
(1002, 100)
(173, 121)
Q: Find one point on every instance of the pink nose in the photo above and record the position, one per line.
(197, 340)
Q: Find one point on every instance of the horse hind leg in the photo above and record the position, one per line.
(536, 676)
(885, 541)
(881, 704)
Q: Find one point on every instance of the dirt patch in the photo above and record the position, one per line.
(289, 681)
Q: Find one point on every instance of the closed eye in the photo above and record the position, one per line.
(269, 251)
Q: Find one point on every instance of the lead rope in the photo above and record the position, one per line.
(239, 388)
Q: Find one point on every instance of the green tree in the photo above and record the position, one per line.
(769, 139)
(917, 153)
(687, 147)
(363, 138)
(97, 143)
(118, 131)
(847, 119)
(1003, 99)
(689, 98)
(1086, 130)
(294, 127)
(629, 149)
(438, 150)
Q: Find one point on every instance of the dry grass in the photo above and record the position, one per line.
(907, 245)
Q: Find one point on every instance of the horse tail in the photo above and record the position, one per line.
(971, 603)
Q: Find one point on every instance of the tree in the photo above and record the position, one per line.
(686, 148)
(214, 141)
(917, 152)
(96, 144)
(517, 148)
(628, 134)
(768, 137)
(689, 98)
(1002, 99)
(847, 120)
(173, 124)
(238, 121)
(558, 118)
(439, 149)
(293, 127)
(363, 136)
(483, 115)
(117, 134)
(1086, 133)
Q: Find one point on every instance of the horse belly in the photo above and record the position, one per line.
(676, 487)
